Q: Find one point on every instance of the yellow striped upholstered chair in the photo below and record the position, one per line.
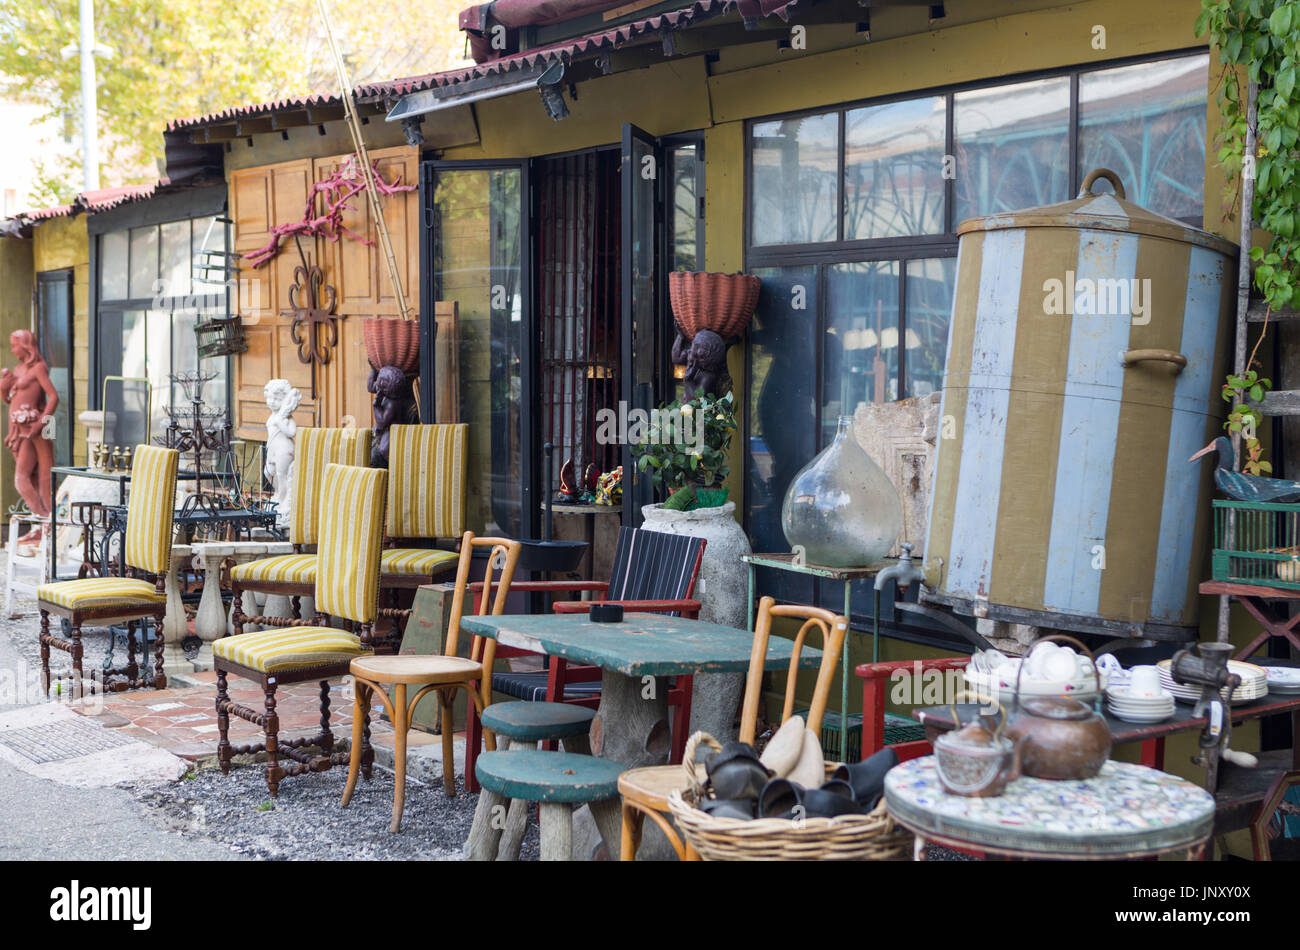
(294, 575)
(426, 502)
(147, 552)
(295, 651)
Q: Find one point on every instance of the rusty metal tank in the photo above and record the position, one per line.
(1089, 340)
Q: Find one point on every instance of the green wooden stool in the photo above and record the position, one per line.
(539, 722)
(556, 781)
(522, 725)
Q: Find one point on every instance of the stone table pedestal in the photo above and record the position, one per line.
(212, 622)
(175, 628)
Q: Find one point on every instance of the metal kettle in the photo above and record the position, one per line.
(1062, 738)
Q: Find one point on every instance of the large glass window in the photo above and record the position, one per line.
(1012, 147)
(794, 179)
(1147, 123)
(477, 259)
(893, 169)
(153, 289)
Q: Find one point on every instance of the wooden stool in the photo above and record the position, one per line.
(556, 781)
(522, 725)
(373, 674)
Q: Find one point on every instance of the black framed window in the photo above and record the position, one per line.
(851, 217)
(152, 291)
(54, 335)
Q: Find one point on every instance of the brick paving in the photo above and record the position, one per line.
(183, 719)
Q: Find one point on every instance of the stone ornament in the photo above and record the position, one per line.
(32, 401)
(282, 399)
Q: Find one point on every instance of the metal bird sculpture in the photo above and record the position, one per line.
(1245, 487)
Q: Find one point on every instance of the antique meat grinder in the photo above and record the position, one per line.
(1210, 672)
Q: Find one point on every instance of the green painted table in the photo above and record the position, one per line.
(631, 725)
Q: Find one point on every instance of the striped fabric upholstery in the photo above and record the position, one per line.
(100, 592)
(426, 490)
(313, 450)
(150, 508)
(652, 565)
(269, 651)
(416, 562)
(351, 535)
(281, 569)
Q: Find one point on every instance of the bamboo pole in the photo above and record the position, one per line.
(1243, 305)
(363, 159)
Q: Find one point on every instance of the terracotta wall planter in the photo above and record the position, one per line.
(723, 303)
(391, 341)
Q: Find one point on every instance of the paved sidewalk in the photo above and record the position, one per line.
(183, 719)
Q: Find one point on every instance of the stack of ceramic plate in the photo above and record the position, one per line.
(1254, 683)
(1284, 680)
(1123, 703)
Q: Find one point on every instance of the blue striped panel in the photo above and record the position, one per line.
(1193, 392)
(979, 479)
(1094, 385)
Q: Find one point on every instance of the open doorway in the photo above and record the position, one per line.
(577, 255)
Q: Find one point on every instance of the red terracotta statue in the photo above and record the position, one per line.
(32, 400)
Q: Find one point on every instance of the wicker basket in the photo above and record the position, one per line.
(871, 837)
(723, 303)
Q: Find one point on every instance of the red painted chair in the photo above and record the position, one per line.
(876, 680)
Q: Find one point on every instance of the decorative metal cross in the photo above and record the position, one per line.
(315, 324)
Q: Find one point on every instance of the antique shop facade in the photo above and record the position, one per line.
(833, 155)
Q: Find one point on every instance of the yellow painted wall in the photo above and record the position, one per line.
(17, 279)
(57, 244)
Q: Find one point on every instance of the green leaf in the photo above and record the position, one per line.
(1256, 392)
(1279, 23)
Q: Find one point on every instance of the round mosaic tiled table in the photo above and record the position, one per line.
(1128, 811)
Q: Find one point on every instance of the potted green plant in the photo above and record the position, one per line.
(684, 450)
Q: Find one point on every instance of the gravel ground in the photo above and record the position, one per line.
(305, 822)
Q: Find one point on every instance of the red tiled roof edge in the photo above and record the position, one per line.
(606, 39)
(91, 202)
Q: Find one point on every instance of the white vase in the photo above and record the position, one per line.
(723, 592)
(723, 585)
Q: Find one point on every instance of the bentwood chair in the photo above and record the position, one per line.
(147, 550)
(426, 503)
(443, 675)
(294, 575)
(347, 589)
(645, 791)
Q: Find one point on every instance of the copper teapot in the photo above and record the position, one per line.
(974, 762)
(1063, 738)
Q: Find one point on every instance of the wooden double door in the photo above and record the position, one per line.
(262, 197)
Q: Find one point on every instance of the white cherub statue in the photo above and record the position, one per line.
(282, 399)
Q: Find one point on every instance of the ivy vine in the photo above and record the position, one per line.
(1259, 41)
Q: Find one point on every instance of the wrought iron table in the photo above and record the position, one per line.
(82, 471)
(1126, 812)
